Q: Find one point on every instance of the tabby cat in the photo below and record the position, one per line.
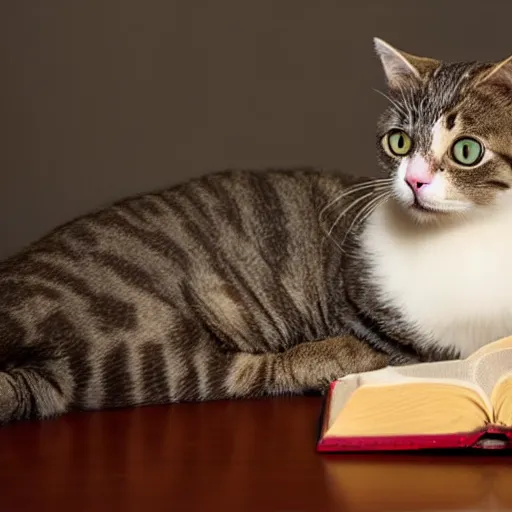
(241, 284)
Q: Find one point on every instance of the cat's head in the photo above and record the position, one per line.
(446, 138)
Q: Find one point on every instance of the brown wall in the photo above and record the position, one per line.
(104, 98)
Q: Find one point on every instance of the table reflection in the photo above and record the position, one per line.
(416, 483)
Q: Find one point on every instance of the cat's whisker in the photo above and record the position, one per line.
(374, 205)
(364, 213)
(355, 188)
(358, 186)
(369, 209)
(347, 209)
(375, 187)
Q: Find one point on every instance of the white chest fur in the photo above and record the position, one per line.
(454, 284)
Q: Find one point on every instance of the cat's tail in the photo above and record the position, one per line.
(33, 392)
(35, 376)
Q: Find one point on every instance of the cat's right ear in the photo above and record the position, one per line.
(500, 74)
(400, 67)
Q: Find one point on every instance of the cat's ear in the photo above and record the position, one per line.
(400, 67)
(500, 74)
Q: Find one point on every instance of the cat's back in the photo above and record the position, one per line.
(240, 249)
(236, 204)
(242, 212)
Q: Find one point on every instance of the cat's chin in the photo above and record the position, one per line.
(426, 217)
(423, 213)
(432, 214)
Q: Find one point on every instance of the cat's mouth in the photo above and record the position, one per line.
(425, 211)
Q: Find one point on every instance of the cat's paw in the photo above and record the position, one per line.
(314, 365)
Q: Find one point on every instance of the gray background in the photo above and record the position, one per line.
(101, 99)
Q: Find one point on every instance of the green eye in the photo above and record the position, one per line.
(467, 151)
(399, 143)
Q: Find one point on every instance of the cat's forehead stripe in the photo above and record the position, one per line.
(439, 139)
(444, 132)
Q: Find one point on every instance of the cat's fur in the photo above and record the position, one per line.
(244, 283)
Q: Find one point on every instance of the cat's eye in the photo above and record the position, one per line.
(467, 151)
(399, 143)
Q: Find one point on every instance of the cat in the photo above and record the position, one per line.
(245, 284)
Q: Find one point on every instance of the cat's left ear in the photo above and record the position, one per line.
(500, 74)
(400, 67)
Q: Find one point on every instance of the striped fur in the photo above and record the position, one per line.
(222, 287)
(232, 285)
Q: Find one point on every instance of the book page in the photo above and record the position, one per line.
(453, 370)
(501, 398)
(459, 369)
(487, 370)
(412, 407)
(396, 401)
(491, 347)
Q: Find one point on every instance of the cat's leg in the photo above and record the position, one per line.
(310, 366)
(52, 375)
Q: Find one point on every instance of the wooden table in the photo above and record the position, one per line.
(231, 456)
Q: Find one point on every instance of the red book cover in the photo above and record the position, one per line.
(492, 437)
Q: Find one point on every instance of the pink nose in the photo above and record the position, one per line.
(418, 173)
(416, 182)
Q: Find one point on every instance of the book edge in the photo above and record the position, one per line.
(409, 443)
(324, 412)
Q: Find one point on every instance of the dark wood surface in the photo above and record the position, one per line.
(233, 456)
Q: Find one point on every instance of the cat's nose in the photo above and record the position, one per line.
(416, 182)
(418, 173)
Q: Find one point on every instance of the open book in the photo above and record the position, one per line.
(449, 404)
